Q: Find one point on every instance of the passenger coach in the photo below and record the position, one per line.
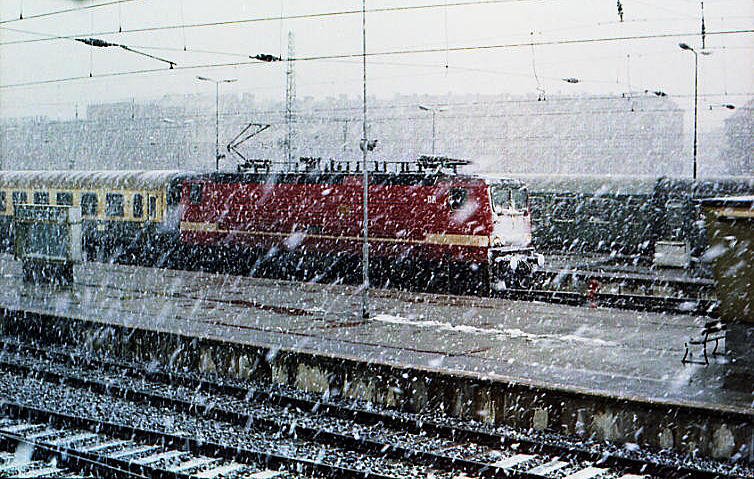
(131, 212)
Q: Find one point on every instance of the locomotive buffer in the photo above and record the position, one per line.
(47, 241)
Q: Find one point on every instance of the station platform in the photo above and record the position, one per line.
(605, 373)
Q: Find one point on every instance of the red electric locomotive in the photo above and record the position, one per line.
(425, 216)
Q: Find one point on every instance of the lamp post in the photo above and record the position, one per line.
(434, 112)
(364, 149)
(685, 46)
(217, 115)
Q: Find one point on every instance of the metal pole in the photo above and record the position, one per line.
(696, 107)
(433, 132)
(345, 136)
(217, 126)
(365, 250)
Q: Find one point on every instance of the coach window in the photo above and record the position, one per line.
(114, 204)
(41, 198)
(3, 203)
(152, 207)
(19, 197)
(457, 198)
(195, 193)
(64, 199)
(138, 206)
(89, 204)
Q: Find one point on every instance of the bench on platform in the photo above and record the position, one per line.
(713, 331)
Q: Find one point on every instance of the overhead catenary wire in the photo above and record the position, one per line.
(66, 10)
(467, 48)
(246, 55)
(278, 18)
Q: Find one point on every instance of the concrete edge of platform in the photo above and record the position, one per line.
(689, 428)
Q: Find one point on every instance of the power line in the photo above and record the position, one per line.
(303, 16)
(579, 41)
(67, 10)
(527, 44)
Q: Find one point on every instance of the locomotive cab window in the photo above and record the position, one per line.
(64, 199)
(89, 204)
(41, 198)
(19, 197)
(457, 198)
(501, 198)
(114, 204)
(520, 197)
(195, 193)
(138, 205)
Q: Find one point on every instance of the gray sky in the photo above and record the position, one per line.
(602, 67)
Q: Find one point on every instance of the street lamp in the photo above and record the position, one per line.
(434, 112)
(685, 46)
(217, 115)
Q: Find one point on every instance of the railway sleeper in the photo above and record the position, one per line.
(476, 459)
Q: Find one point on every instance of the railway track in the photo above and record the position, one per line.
(637, 302)
(96, 454)
(11, 465)
(694, 299)
(444, 447)
(164, 441)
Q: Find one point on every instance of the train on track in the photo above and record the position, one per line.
(424, 219)
(121, 210)
(623, 215)
(427, 222)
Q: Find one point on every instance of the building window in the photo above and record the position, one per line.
(89, 204)
(41, 198)
(64, 199)
(19, 197)
(114, 204)
(138, 206)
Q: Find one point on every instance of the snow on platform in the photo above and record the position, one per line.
(604, 351)
(622, 357)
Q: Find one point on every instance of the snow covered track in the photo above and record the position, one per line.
(446, 445)
(162, 443)
(105, 455)
(637, 302)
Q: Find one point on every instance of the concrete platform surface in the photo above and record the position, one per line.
(606, 352)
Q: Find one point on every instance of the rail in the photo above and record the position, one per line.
(451, 446)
